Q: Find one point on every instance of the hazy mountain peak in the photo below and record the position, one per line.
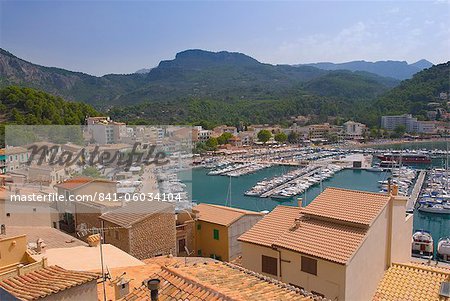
(389, 68)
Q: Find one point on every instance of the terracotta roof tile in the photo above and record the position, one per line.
(135, 212)
(45, 282)
(323, 239)
(348, 205)
(269, 229)
(75, 183)
(221, 215)
(212, 280)
(412, 282)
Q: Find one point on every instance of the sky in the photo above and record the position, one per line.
(102, 37)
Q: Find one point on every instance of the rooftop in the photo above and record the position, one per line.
(412, 282)
(269, 229)
(323, 239)
(352, 206)
(88, 258)
(15, 150)
(78, 182)
(45, 282)
(207, 279)
(135, 212)
(52, 238)
(220, 215)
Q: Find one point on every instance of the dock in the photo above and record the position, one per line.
(272, 191)
(411, 204)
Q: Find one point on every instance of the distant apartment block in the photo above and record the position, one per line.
(104, 130)
(411, 124)
(338, 247)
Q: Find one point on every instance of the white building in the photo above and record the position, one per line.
(411, 124)
(354, 130)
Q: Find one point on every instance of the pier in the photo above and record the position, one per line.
(272, 191)
(410, 205)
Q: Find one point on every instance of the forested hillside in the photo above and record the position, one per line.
(19, 105)
(414, 95)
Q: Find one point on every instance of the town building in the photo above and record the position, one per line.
(247, 137)
(338, 246)
(86, 199)
(201, 135)
(198, 279)
(411, 124)
(219, 130)
(354, 130)
(143, 229)
(2, 161)
(15, 257)
(105, 131)
(322, 132)
(16, 158)
(217, 230)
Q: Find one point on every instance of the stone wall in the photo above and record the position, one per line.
(119, 237)
(154, 236)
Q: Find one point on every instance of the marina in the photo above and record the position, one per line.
(263, 189)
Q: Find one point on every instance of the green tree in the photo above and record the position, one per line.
(92, 172)
(224, 138)
(264, 136)
(280, 137)
(212, 143)
(400, 130)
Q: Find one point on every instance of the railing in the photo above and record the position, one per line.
(21, 269)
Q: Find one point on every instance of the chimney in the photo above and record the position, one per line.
(394, 190)
(153, 287)
(121, 286)
(300, 202)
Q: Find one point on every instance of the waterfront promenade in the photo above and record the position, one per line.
(415, 192)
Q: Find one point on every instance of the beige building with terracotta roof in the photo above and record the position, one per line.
(413, 282)
(218, 228)
(338, 246)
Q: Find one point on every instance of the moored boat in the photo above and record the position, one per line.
(422, 244)
(406, 158)
(443, 249)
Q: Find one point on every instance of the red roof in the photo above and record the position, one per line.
(78, 182)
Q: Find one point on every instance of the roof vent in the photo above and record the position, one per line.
(444, 291)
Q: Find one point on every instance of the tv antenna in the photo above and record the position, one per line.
(82, 231)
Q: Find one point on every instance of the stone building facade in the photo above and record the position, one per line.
(142, 232)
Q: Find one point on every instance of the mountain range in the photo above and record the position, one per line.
(396, 69)
(198, 74)
(225, 87)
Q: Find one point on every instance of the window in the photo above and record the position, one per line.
(309, 265)
(8, 214)
(216, 234)
(269, 265)
(199, 252)
(116, 234)
(199, 226)
(181, 245)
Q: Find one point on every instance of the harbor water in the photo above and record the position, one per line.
(215, 190)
